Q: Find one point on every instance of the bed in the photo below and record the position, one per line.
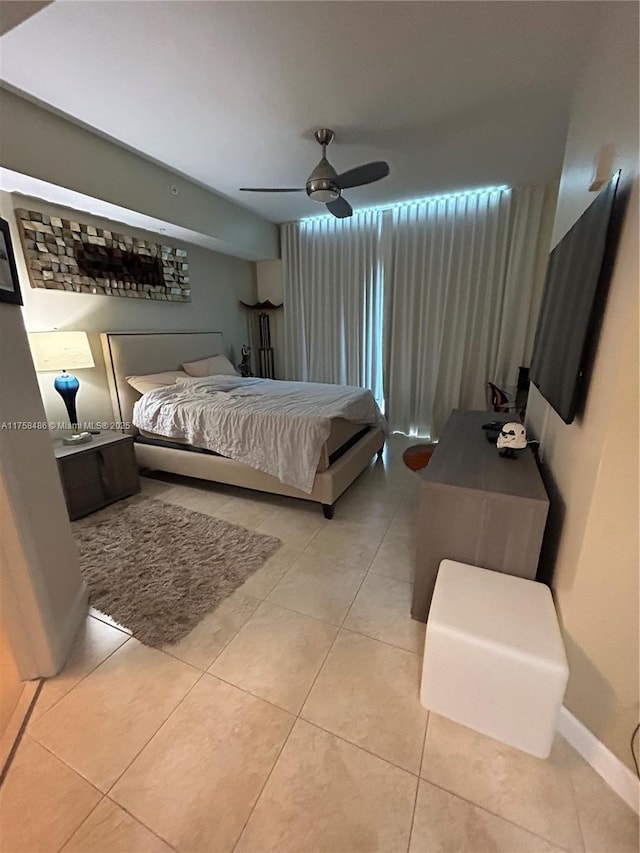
(347, 452)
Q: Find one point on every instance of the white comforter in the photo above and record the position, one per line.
(276, 427)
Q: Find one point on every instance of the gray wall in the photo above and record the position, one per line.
(218, 282)
(41, 144)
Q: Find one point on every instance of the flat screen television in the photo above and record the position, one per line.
(569, 315)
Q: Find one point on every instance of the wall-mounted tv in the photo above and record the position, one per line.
(570, 306)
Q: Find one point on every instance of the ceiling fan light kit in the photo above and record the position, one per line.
(325, 185)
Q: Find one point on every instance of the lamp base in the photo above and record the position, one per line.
(77, 438)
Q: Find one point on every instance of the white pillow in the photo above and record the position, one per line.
(153, 381)
(216, 365)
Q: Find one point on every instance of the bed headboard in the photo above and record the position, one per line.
(138, 353)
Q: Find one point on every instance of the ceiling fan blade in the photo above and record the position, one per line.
(366, 174)
(272, 190)
(340, 208)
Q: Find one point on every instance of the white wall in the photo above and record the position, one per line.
(43, 598)
(218, 283)
(11, 686)
(593, 463)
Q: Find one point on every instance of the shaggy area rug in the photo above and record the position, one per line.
(158, 569)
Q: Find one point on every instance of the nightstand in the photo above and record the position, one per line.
(97, 473)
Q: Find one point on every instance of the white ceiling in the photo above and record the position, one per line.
(453, 94)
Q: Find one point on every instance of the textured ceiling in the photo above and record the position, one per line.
(453, 94)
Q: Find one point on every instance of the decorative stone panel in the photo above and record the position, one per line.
(62, 254)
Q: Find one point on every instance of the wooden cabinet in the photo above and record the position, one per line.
(97, 473)
(477, 507)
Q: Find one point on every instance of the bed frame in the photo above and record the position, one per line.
(133, 353)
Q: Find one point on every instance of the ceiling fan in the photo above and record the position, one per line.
(325, 185)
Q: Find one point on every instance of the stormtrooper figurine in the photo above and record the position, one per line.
(513, 436)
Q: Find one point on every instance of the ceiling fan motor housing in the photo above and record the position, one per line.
(320, 184)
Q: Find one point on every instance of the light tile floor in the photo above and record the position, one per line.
(289, 720)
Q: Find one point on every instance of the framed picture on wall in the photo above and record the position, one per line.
(9, 284)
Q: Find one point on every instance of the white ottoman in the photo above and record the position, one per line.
(494, 659)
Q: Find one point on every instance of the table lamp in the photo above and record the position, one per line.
(59, 351)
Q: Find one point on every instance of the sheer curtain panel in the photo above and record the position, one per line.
(333, 301)
(423, 302)
(459, 279)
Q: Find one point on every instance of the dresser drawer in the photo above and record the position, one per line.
(80, 468)
(118, 456)
(83, 498)
(120, 482)
(98, 474)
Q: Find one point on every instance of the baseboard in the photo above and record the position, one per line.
(607, 765)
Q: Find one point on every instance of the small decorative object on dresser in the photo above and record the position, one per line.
(9, 284)
(512, 438)
(244, 368)
(96, 474)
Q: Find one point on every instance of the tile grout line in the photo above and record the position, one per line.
(118, 806)
(253, 695)
(83, 678)
(496, 815)
(233, 636)
(341, 627)
(107, 621)
(81, 824)
(366, 574)
(297, 715)
(266, 781)
(148, 741)
(574, 797)
(206, 671)
(297, 718)
(262, 600)
(301, 552)
(415, 800)
(360, 747)
(104, 795)
(66, 764)
(378, 640)
(141, 822)
(338, 564)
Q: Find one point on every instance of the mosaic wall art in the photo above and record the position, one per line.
(63, 254)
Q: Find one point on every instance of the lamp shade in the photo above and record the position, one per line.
(60, 350)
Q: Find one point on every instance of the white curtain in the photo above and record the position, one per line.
(426, 300)
(333, 301)
(459, 280)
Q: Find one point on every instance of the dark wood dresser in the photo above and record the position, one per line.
(477, 507)
(97, 473)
